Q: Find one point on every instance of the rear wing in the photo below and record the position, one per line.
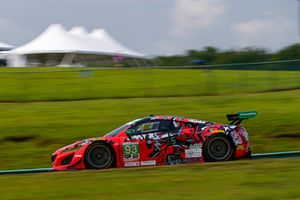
(236, 119)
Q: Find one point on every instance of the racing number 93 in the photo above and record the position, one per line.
(131, 150)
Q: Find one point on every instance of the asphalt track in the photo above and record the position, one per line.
(286, 154)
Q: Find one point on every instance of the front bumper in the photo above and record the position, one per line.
(69, 159)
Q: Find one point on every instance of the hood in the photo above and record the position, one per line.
(77, 145)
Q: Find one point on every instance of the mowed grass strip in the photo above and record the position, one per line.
(264, 179)
(74, 84)
(30, 132)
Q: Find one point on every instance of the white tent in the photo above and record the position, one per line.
(5, 47)
(57, 40)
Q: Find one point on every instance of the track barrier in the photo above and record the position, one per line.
(286, 154)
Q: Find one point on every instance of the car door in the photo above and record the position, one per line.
(148, 142)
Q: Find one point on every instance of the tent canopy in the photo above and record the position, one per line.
(56, 39)
(5, 46)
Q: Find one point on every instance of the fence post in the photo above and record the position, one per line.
(243, 82)
(87, 83)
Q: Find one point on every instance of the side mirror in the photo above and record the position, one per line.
(129, 131)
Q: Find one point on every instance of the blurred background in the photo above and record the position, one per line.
(100, 64)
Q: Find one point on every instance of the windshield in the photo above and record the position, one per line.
(117, 131)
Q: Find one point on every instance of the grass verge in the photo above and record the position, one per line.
(30, 132)
(74, 84)
(248, 180)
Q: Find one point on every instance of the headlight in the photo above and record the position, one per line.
(76, 146)
(84, 142)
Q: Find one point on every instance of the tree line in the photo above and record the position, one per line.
(212, 55)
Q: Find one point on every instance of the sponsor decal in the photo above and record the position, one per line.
(218, 131)
(240, 147)
(78, 156)
(149, 127)
(197, 121)
(193, 160)
(246, 136)
(98, 139)
(247, 115)
(212, 130)
(148, 162)
(131, 151)
(194, 151)
(132, 164)
(236, 138)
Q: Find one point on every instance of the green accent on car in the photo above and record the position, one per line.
(247, 115)
(131, 150)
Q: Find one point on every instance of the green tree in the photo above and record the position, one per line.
(287, 53)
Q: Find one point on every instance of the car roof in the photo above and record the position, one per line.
(167, 117)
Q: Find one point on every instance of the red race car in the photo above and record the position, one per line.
(159, 140)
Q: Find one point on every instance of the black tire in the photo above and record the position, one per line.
(218, 148)
(99, 156)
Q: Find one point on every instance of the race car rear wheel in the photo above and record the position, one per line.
(218, 148)
(99, 156)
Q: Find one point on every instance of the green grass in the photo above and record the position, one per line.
(38, 84)
(248, 180)
(54, 124)
(30, 132)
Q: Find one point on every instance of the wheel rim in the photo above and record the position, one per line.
(219, 149)
(99, 156)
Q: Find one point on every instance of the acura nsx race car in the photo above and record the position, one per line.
(159, 140)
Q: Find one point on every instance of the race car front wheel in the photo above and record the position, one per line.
(99, 156)
(218, 148)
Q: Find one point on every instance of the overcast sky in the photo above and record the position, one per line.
(156, 27)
